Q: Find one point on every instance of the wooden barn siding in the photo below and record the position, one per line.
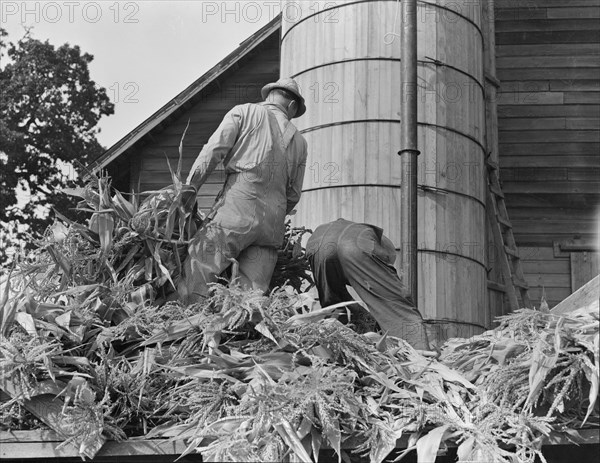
(547, 275)
(548, 63)
(204, 116)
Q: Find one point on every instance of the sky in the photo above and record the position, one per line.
(145, 51)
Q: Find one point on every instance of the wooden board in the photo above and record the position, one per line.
(544, 49)
(579, 123)
(48, 409)
(582, 97)
(545, 273)
(584, 296)
(564, 110)
(530, 96)
(552, 296)
(514, 14)
(556, 228)
(584, 268)
(500, 4)
(556, 73)
(583, 13)
(552, 201)
(564, 187)
(523, 62)
(543, 25)
(548, 280)
(511, 148)
(540, 254)
(26, 445)
(539, 37)
(545, 239)
(542, 136)
(549, 123)
(562, 267)
(556, 85)
(550, 171)
(536, 13)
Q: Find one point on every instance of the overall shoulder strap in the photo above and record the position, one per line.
(287, 135)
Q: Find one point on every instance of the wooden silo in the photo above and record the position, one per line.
(346, 59)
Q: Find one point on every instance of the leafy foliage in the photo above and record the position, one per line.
(536, 362)
(293, 268)
(243, 376)
(49, 109)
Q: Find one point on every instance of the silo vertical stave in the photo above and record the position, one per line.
(350, 75)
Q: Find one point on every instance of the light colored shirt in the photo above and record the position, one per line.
(244, 140)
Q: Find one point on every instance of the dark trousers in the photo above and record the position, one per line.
(344, 252)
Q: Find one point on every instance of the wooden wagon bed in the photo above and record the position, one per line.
(41, 445)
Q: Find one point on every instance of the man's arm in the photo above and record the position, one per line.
(294, 189)
(216, 149)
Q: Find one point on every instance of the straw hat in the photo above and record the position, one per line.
(288, 84)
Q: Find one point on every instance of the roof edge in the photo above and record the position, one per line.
(184, 96)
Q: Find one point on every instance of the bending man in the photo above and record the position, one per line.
(358, 254)
(264, 158)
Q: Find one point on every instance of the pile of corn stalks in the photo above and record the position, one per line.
(536, 362)
(247, 377)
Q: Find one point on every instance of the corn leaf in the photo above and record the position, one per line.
(316, 441)
(27, 322)
(429, 444)
(8, 308)
(334, 437)
(103, 224)
(124, 208)
(290, 437)
(180, 161)
(464, 450)
(592, 376)
(541, 364)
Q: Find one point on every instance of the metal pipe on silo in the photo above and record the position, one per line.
(408, 146)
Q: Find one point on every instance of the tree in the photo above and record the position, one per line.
(49, 109)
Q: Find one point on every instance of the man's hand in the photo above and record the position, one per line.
(430, 353)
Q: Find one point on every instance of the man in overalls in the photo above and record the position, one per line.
(344, 253)
(264, 158)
